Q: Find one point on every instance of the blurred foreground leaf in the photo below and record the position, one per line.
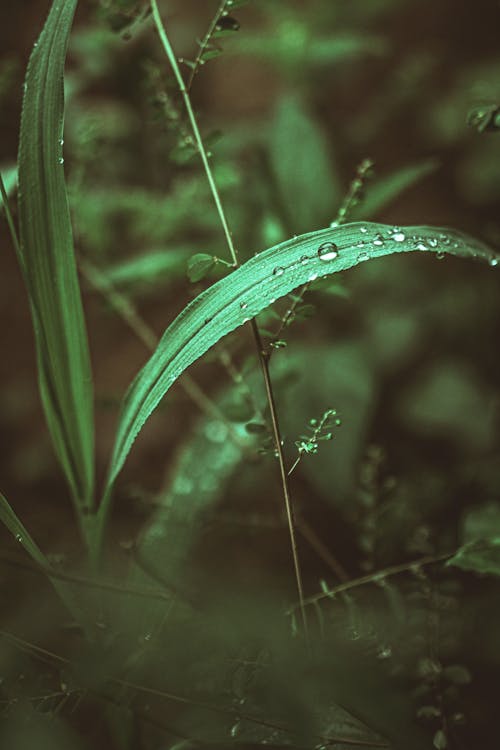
(481, 556)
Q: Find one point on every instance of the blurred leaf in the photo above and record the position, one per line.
(481, 522)
(9, 176)
(293, 47)
(199, 265)
(48, 261)
(305, 174)
(242, 294)
(481, 556)
(25, 728)
(152, 267)
(383, 191)
(448, 401)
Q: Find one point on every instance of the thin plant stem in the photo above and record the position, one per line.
(376, 577)
(194, 126)
(264, 362)
(263, 357)
(204, 44)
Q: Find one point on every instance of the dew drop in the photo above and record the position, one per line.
(362, 257)
(433, 242)
(235, 729)
(379, 240)
(440, 255)
(363, 229)
(328, 251)
(422, 246)
(493, 262)
(385, 652)
(19, 538)
(61, 160)
(398, 237)
(61, 141)
(304, 259)
(243, 305)
(147, 637)
(278, 271)
(313, 277)
(334, 224)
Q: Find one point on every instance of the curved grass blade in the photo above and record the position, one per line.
(48, 261)
(254, 286)
(18, 530)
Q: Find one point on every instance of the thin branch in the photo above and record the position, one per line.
(204, 44)
(376, 577)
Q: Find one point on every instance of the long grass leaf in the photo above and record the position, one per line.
(251, 288)
(48, 257)
(18, 530)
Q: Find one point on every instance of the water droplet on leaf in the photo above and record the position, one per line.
(328, 251)
(278, 271)
(235, 729)
(362, 257)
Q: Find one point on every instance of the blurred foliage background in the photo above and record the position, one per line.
(405, 348)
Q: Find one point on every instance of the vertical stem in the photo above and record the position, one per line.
(264, 363)
(263, 357)
(194, 125)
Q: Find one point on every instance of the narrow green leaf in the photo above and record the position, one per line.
(19, 531)
(303, 166)
(10, 520)
(9, 176)
(481, 556)
(386, 189)
(48, 257)
(149, 268)
(242, 294)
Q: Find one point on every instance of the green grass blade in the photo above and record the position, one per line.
(49, 261)
(254, 286)
(19, 531)
(22, 535)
